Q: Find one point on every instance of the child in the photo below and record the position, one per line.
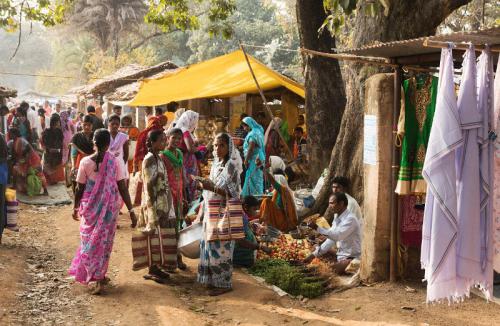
(244, 250)
(173, 159)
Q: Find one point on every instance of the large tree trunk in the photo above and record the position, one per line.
(325, 95)
(406, 19)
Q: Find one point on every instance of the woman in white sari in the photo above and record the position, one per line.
(216, 267)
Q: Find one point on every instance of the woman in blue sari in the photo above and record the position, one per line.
(253, 148)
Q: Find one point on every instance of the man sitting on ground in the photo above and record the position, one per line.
(341, 184)
(345, 231)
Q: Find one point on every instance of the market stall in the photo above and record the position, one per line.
(223, 88)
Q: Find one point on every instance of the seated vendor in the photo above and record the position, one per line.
(345, 231)
(341, 184)
(243, 254)
(279, 211)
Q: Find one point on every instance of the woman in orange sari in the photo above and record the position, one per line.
(133, 134)
(279, 211)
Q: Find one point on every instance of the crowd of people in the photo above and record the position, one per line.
(106, 156)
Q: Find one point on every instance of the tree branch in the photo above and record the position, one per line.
(149, 37)
(20, 31)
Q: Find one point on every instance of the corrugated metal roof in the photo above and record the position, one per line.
(416, 46)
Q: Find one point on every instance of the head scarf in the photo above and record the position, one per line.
(281, 180)
(275, 124)
(178, 113)
(188, 122)
(154, 122)
(234, 158)
(141, 149)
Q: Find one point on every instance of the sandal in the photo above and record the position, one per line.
(218, 291)
(155, 278)
(155, 270)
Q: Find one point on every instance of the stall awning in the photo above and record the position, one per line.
(224, 76)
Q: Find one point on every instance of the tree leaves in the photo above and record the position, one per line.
(49, 13)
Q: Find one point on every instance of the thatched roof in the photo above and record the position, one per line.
(126, 75)
(7, 92)
(127, 92)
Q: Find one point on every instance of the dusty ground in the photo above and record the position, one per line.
(35, 290)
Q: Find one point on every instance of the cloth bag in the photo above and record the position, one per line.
(33, 183)
(12, 208)
(159, 248)
(225, 221)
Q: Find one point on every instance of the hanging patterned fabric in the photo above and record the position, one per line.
(412, 218)
(417, 114)
(496, 168)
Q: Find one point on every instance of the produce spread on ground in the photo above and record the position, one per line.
(283, 268)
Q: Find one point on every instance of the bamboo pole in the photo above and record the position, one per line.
(355, 58)
(461, 46)
(261, 92)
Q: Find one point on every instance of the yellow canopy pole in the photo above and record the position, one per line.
(268, 109)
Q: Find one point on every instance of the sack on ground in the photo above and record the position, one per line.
(225, 220)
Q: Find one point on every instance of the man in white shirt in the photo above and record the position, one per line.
(341, 184)
(345, 231)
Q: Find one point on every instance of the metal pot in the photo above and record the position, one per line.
(189, 241)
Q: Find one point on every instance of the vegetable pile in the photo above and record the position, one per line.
(292, 279)
(288, 249)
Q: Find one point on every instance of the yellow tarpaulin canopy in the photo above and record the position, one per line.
(224, 76)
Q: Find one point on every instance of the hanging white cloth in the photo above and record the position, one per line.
(496, 169)
(486, 161)
(440, 227)
(471, 229)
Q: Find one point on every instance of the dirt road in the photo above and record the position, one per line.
(35, 290)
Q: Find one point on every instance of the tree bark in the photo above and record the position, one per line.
(406, 20)
(325, 95)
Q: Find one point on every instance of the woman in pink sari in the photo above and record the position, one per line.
(101, 183)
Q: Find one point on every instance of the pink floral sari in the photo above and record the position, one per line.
(98, 211)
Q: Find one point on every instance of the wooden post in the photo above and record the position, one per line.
(268, 109)
(393, 268)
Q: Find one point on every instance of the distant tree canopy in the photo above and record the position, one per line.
(91, 43)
